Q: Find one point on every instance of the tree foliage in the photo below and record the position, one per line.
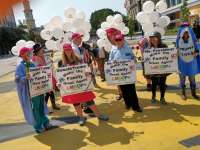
(131, 26)
(9, 37)
(99, 16)
(185, 12)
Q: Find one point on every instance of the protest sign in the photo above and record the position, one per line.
(187, 54)
(160, 61)
(40, 80)
(74, 79)
(120, 72)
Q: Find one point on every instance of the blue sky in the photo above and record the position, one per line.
(44, 10)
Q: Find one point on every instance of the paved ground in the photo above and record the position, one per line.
(7, 65)
(172, 127)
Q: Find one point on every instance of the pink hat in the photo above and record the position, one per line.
(76, 35)
(112, 31)
(24, 50)
(67, 47)
(119, 37)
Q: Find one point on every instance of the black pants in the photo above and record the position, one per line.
(161, 81)
(130, 96)
(52, 97)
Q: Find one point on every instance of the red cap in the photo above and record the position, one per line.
(24, 50)
(112, 31)
(67, 47)
(76, 35)
(119, 37)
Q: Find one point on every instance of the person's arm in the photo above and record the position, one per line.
(20, 77)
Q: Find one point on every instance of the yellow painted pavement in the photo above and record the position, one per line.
(157, 128)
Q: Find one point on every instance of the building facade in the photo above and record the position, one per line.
(8, 20)
(133, 7)
(29, 20)
(174, 7)
(173, 10)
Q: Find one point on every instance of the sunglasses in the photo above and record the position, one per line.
(118, 40)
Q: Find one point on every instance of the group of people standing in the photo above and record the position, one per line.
(76, 52)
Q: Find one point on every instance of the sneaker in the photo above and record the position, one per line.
(184, 97)
(103, 117)
(39, 131)
(55, 107)
(49, 127)
(87, 110)
(128, 107)
(153, 100)
(103, 80)
(118, 97)
(162, 101)
(82, 121)
(138, 109)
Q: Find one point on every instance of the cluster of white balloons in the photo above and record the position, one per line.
(150, 18)
(20, 44)
(57, 32)
(116, 22)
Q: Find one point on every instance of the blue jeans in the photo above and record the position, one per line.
(191, 80)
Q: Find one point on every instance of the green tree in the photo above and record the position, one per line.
(185, 12)
(100, 16)
(9, 37)
(21, 25)
(131, 26)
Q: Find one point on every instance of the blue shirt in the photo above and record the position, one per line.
(124, 53)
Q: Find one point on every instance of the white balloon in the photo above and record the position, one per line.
(67, 36)
(46, 34)
(160, 30)
(101, 33)
(142, 18)
(148, 6)
(147, 27)
(70, 12)
(80, 15)
(80, 31)
(154, 16)
(67, 26)
(86, 37)
(118, 18)
(100, 43)
(21, 43)
(15, 51)
(125, 31)
(49, 26)
(56, 21)
(87, 26)
(58, 33)
(50, 45)
(109, 19)
(120, 26)
(105, 25)
(77, 23)
(59, 45)
(108, 47)
(163, 21)
(161, 6)
(29, 44)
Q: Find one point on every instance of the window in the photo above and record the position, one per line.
(168, 3)
(173, 2)
(179, 1)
